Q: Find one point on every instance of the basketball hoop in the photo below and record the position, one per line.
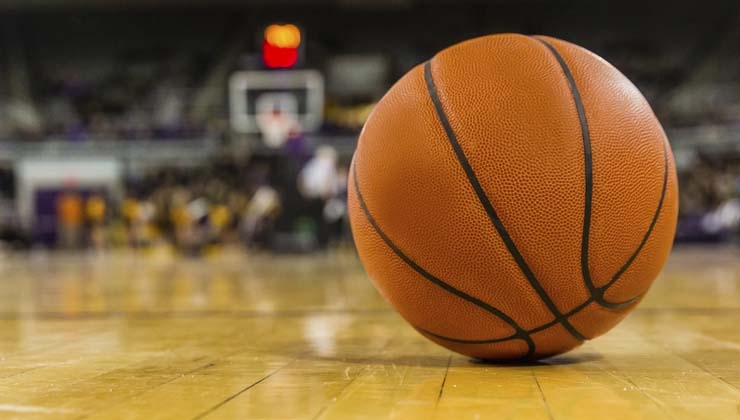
(276, 117)
(296, 93)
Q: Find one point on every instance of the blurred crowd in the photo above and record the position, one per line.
(709, 192)
(283, 202)
(146, 99)
(293, 200)
(150, 76)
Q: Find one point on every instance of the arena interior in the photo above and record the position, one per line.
(174, 237)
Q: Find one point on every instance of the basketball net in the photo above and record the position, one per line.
(275, 126)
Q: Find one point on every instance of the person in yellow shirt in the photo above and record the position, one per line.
(95, 211)
(219, 217)
(69, 219)
(130, 213)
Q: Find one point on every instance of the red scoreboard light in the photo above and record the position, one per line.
(280, 46)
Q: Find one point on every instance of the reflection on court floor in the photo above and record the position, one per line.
(259, 336)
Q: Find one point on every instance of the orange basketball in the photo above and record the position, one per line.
(513, 196)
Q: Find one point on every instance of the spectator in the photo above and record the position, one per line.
(69, 219)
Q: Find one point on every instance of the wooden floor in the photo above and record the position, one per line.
(231, 336)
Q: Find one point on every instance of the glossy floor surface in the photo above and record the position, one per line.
(235, 336)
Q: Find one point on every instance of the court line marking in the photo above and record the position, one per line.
(542, 395)
(444, 381)
(245, 389)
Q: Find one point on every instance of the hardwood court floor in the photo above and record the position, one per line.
(125, 336)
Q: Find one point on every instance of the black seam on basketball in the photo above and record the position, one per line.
(520, 332)
(529, 355)
(535, 330)
(567, 315)
(463, 341)
(597, 293)
(488, 207)
(513, 336)
(588, 164)
(542, 327)
(653, 222)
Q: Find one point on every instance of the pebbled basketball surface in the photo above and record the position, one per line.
(513, 196)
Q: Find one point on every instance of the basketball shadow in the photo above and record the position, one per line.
(561, 360)
(444, 360)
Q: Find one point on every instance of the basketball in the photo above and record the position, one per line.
(513, 197)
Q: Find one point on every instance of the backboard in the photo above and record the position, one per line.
(298, 93)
